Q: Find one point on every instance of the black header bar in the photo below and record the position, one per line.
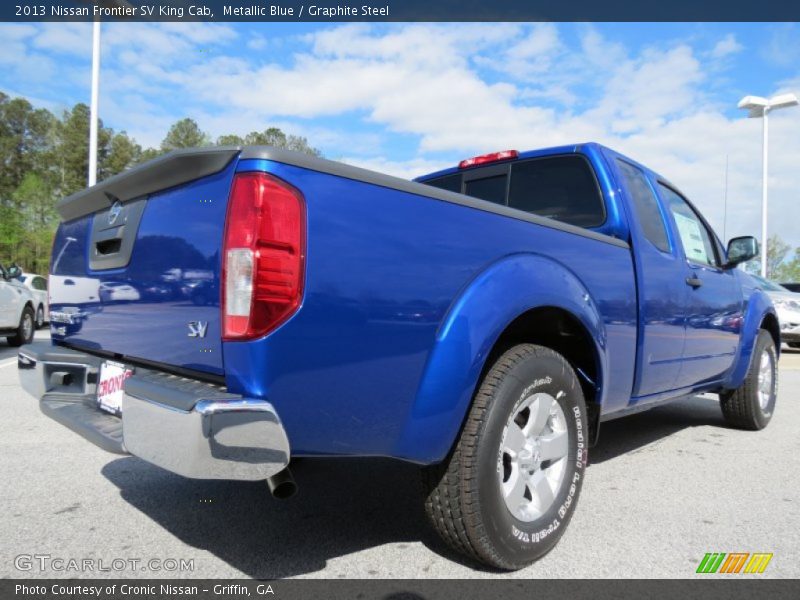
(400, 10)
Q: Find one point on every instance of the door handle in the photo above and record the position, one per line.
(694, 281)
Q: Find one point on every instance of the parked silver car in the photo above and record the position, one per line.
(787, 304)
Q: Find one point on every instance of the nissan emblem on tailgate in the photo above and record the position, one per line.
(114, 212)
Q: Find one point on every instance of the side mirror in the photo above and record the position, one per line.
(741, 249)
(13, 272)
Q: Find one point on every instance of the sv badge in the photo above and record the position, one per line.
(198, 328)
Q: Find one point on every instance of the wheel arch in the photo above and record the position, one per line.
(759, 314)
(771, 324)
(522, 298)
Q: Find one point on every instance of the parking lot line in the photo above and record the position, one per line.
(8, 363)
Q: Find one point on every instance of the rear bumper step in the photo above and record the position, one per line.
(188, 427)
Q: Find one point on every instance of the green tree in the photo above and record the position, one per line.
(123, 153)
(71, 156)
(277, 138)
(777, 250)
(230, 140)
(37, 222)
(778, 267)
(148, 154)
(24, 138)
(789, 271)
(186, 133)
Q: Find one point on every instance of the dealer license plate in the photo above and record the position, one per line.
(109, 386)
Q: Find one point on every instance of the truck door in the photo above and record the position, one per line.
(660, 272)
(714, 304)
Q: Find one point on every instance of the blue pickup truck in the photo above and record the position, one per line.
(218, 312)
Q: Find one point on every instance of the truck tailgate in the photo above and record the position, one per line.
(140, 278)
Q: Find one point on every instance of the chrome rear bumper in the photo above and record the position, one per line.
(186, 426)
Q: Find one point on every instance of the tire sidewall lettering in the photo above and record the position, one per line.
(536, 537)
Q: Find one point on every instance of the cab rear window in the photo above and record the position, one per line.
(563, 188)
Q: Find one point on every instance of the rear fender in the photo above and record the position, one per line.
(475, 320)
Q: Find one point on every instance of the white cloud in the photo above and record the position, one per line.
(726, 46)
(407, 169)
(783, 47)
(65, 38)
(424, 80)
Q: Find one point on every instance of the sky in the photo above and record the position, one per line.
(408, 99)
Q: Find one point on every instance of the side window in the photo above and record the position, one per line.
(40, 284)
(560, 187)
(695, 237)
(646, 205)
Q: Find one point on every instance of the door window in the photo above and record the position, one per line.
(695, 238)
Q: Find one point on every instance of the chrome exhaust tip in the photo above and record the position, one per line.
(282, 484)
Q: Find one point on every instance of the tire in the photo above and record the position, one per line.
(751, 405)
(40, 317)
(474, 498)
(25, 330)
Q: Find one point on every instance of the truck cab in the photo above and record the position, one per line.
(691, 307)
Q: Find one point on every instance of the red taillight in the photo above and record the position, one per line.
(487, 158)
(263, 256)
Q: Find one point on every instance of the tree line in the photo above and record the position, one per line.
(45, 157)
(783, 262)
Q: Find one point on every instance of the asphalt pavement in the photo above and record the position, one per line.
(663, 488)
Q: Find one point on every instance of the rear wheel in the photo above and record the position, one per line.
(505, 494)
(25, 330)
(751, 405)
(40, 317)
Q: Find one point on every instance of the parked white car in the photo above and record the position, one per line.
(787, 305)
(38, 287)
(118, 291)
(17, 312)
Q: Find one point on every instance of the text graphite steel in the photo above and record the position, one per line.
(330, 12)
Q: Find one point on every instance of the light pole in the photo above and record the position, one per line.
(94, 108)
(95, 99)
(761, 107)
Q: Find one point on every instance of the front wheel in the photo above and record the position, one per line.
(507, 491)
(751, 405)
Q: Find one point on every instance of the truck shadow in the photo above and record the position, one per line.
(635, 432)
(344, 505)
